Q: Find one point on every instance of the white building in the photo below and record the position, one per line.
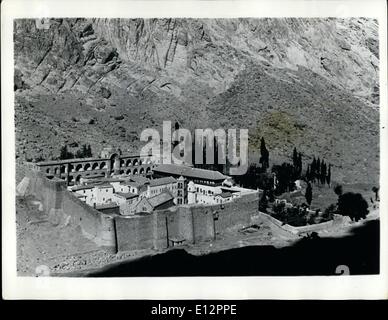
(205, 194)
(157, 186)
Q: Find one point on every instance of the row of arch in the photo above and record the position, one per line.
(136, 171)
(88, 167)
(102, 165)
(134, 162)
(76, 178)
(79, 167)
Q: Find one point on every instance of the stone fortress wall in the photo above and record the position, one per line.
(157, 230)
(61, 205)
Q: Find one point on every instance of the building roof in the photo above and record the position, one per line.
(160, 199)
(162, 181)
(104, 186)
(139, 179)
(84, 187)
(126, 195)
(110, 205)
(224, 194)
(79, 195)
(133, 184)
(113, 180)
(190, 172)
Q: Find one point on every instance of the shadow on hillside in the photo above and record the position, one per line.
(358, 251)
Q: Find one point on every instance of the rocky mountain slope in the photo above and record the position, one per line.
(312, 83)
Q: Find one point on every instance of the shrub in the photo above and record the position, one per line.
(353, 205)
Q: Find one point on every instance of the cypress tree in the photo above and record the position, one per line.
(322, 172)
(300, 164)
(264, 159)
(308, 173)
(263, 202)
(89, 151)
(295, 158)
(328, 176)
(313, 169)
(84, 152)
(63, 153)
(318, 168)
(309, 193)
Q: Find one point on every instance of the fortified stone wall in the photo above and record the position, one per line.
(96, 226)
(59, 203)
(338, 220)
(49, 192)
(192, 223)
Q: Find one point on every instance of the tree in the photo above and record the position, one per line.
(376, 192)
(279, 208)
(300, 164)
(329, 212)
(328, 176)
(308, 173)
(263, 202)
(89, 151)
(84, 151)
(285, 177)
(338, 190)
(318, 169)
(65, 154)
(309, 193)
(322, 176)
(264, 158)
(295, 158)
(313, 169)
(79, 154)
(353, 205)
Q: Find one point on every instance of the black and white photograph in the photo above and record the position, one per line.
(182, 146)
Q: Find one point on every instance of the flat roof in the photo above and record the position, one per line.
(76, 188)
(103, 186)
(107, 206)
(133, 184)
(127, 195)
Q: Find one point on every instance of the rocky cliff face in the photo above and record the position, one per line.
(312, 83)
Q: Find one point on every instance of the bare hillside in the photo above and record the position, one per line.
(309, 83)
